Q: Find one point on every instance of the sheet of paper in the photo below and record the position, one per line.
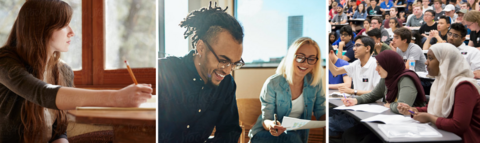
(150, 105)
(409, 130)
(364, 107)
(391, 119)
(298, 124)
(338, 95)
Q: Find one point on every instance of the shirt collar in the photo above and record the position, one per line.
(306, 81)
(192, 70)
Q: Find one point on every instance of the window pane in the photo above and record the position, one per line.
(175, 12)
(130, 33)
(74, 55)
(270, 26)
(8, 13)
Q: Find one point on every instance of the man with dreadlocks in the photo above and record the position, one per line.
(196, 91)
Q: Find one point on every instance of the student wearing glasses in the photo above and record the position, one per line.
(471, 20)
(196, 91)
(346, 44)
(364, 77)
(294, 91)
(456, 36)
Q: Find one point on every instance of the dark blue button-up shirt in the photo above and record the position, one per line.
(189, 109)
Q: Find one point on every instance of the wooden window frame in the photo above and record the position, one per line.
(93, 73)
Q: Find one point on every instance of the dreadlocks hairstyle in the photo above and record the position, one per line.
(206, 23)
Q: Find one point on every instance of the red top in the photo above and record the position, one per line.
(332, 13)
(464, 120)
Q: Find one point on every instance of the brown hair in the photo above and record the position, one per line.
(28, 42)
(404, 33)
(472, 16)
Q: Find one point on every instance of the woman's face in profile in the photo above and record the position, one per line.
(60, 39)
(309, 55)
(433, 65)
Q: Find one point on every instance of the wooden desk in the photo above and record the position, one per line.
(128, 126)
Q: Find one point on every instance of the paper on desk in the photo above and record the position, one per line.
(298, 124)
(391, 119)
(364, 107)
(150, 105)
(409, 130)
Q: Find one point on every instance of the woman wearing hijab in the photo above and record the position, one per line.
(454, 104)
(400, 85)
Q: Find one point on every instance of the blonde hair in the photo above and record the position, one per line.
(472, 16)
(286, 67)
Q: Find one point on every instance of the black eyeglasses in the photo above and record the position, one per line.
(300, 58)
(225, 63)
(358, 45)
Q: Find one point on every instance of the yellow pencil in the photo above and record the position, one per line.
(131, 73)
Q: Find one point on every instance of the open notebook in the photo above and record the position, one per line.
(391, 119)
(150, 105)
(409, 130)
(299, 124)
(364, 108)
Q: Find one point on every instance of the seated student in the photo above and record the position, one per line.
(340, 17)
(340, 80)
(417, 19)
(386, 5)
(352, 8)
(429, 24)
(366, 27)
(386, 18)
(294, 91)
(460, 15)
(426, 6)
(376, 23)
(393, 14)
(465, 5)
(361, 13)
(333, 11)
(472, 20)
(398, 85)
(346, 34)
(437, 7)
(364, 78)
(332, 37)
(373, 9)
(456, 36)
(375, 34)
(450, 12)
(394, 25)
(406, 49)
(454, 104)
(439, 36)
(418, 39)
(196, 92)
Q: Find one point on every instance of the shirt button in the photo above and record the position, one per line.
(188, 126)
(194, 79)
(202, 87)
(199, 110)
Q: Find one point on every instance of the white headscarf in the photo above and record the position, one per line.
(453, 70)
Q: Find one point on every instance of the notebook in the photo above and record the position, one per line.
(409, 130)
(391, 119)
(364, 108)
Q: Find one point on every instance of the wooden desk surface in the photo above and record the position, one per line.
(136, 118)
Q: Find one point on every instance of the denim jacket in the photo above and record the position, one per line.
(276, 97)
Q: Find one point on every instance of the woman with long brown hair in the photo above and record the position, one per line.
(36, 87)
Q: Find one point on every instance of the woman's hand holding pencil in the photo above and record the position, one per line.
(349, 101)
(405, 109)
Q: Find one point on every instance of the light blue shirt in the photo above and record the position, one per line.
(276, 98)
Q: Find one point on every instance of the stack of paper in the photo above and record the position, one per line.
(391, 119)
(409, 130)
(298, 124)
(364, 107)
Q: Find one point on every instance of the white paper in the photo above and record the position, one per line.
(364, 107)
(298, 124)
(391, 119)
(409, 130)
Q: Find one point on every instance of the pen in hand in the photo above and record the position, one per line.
(275, 120)
(345, 97)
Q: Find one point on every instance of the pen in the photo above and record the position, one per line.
(411, 111)
(275, 118)
(345, 97)
(131, 73)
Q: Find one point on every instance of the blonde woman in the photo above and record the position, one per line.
(472, 19)
(294, 91)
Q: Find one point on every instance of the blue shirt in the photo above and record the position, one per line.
(339, 78)
(189, 109)
(350, 53)
(276, 98)
(386, 6)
